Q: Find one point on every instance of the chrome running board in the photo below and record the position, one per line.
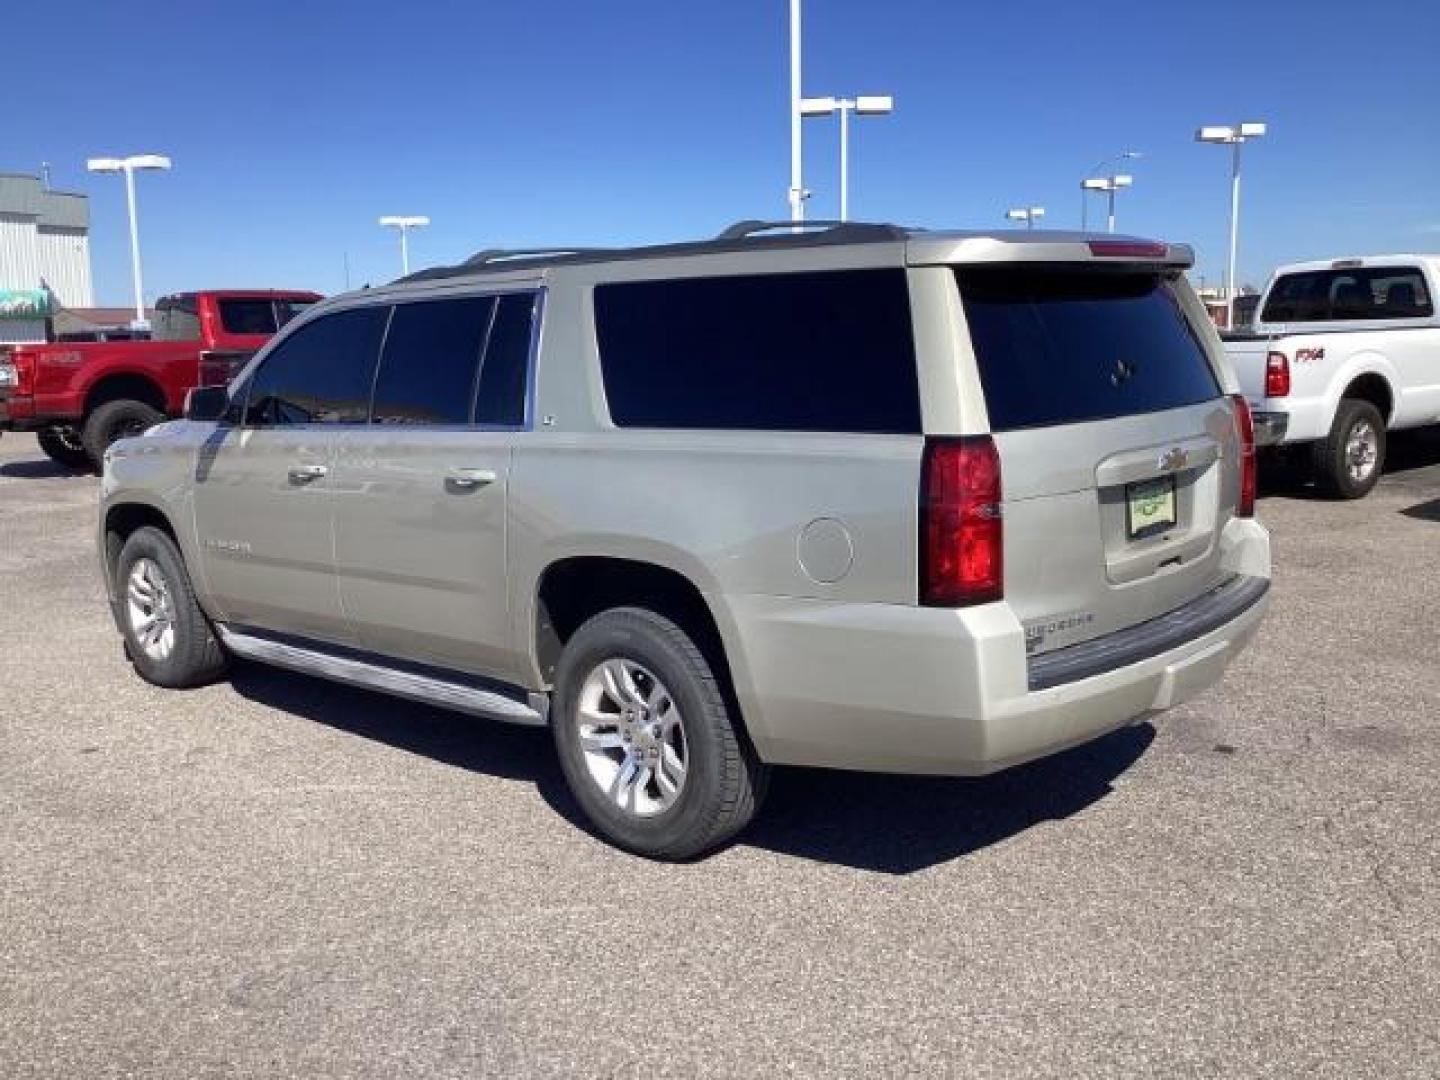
(431, 690)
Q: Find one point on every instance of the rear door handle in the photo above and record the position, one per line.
(470, 478)
(303, 474)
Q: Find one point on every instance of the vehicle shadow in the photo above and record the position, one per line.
(44, 469)
(1425, 511)
(902, 824)
(885, 824)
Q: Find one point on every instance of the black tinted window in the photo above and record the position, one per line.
(321, 374)
(1356, 293)
(247, 316)
(432, 351)
(1064, 346)
(501, 399)
(797, 352)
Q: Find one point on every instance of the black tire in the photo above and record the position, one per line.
(64, 446)
(196, 656)
(113, 421)
(1331, 457)
(724, 782)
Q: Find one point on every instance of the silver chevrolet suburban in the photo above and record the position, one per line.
(853, 496)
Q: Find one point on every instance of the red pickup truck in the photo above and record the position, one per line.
(79, 397)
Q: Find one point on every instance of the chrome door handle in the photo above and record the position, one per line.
(303, 474)
(470, 478)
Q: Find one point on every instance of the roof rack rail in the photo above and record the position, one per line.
(495, 255)
(857, 229)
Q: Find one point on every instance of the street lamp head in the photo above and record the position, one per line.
(818, 106)
(1132, 154)
(1018, 215)
(1215, 134)
(1121, 181)
(1252, 130)
(1095, 183)
(105, 164)
(1037, 211)
(875, 105)
(399, 221)
(147, 161)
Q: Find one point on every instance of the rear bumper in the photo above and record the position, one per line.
(890, 688)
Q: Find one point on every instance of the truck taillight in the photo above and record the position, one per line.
(1245, 428)
(1277, 375)
(961, 529)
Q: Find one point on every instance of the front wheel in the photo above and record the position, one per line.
(647, 741)
(167, 636)
(63, 446)
(1349, 460)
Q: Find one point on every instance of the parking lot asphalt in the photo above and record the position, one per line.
(275, 876)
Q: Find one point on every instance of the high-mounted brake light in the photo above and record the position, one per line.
(1277, 375)
(1128, 249)
(1245, 428)
(961, 530)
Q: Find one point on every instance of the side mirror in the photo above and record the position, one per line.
(207, 403)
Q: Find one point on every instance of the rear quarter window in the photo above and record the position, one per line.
(1065, 346)
(827, 351)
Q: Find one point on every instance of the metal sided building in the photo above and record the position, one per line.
(44, 255)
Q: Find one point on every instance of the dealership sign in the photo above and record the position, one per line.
(25, 304)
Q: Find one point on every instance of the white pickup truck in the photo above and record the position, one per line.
(1341, 352)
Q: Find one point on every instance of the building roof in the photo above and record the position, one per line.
(26, 196)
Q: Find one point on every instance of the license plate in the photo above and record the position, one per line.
(1150, 507)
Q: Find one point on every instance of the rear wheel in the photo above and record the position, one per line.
(1349, 460)
(167, 637)
(648, 744)
(116, 420)
(64, 446)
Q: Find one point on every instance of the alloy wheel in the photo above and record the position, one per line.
(633, 737)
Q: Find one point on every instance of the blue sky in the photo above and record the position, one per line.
(513, 123)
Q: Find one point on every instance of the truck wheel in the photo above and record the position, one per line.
(113, 421)
(1349, 460)
(646, 739)
(63, 446)
(167, 637)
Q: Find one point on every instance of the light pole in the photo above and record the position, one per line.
(405, 224)
(797, 191)
(1124, 155)
(1110, 185)
(129, 166)
(1233, 137)
(871, 105)
(1027, 214)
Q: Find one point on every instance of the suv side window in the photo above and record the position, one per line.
(431, 357)
(822, 351)
(500, 397)
(321, 374)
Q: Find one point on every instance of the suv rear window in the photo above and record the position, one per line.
(1381, 292)
(827, 351)
(1063, 346)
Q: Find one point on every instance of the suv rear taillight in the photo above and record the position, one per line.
(1277, 375)
(1245, 428)
(961, 530)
